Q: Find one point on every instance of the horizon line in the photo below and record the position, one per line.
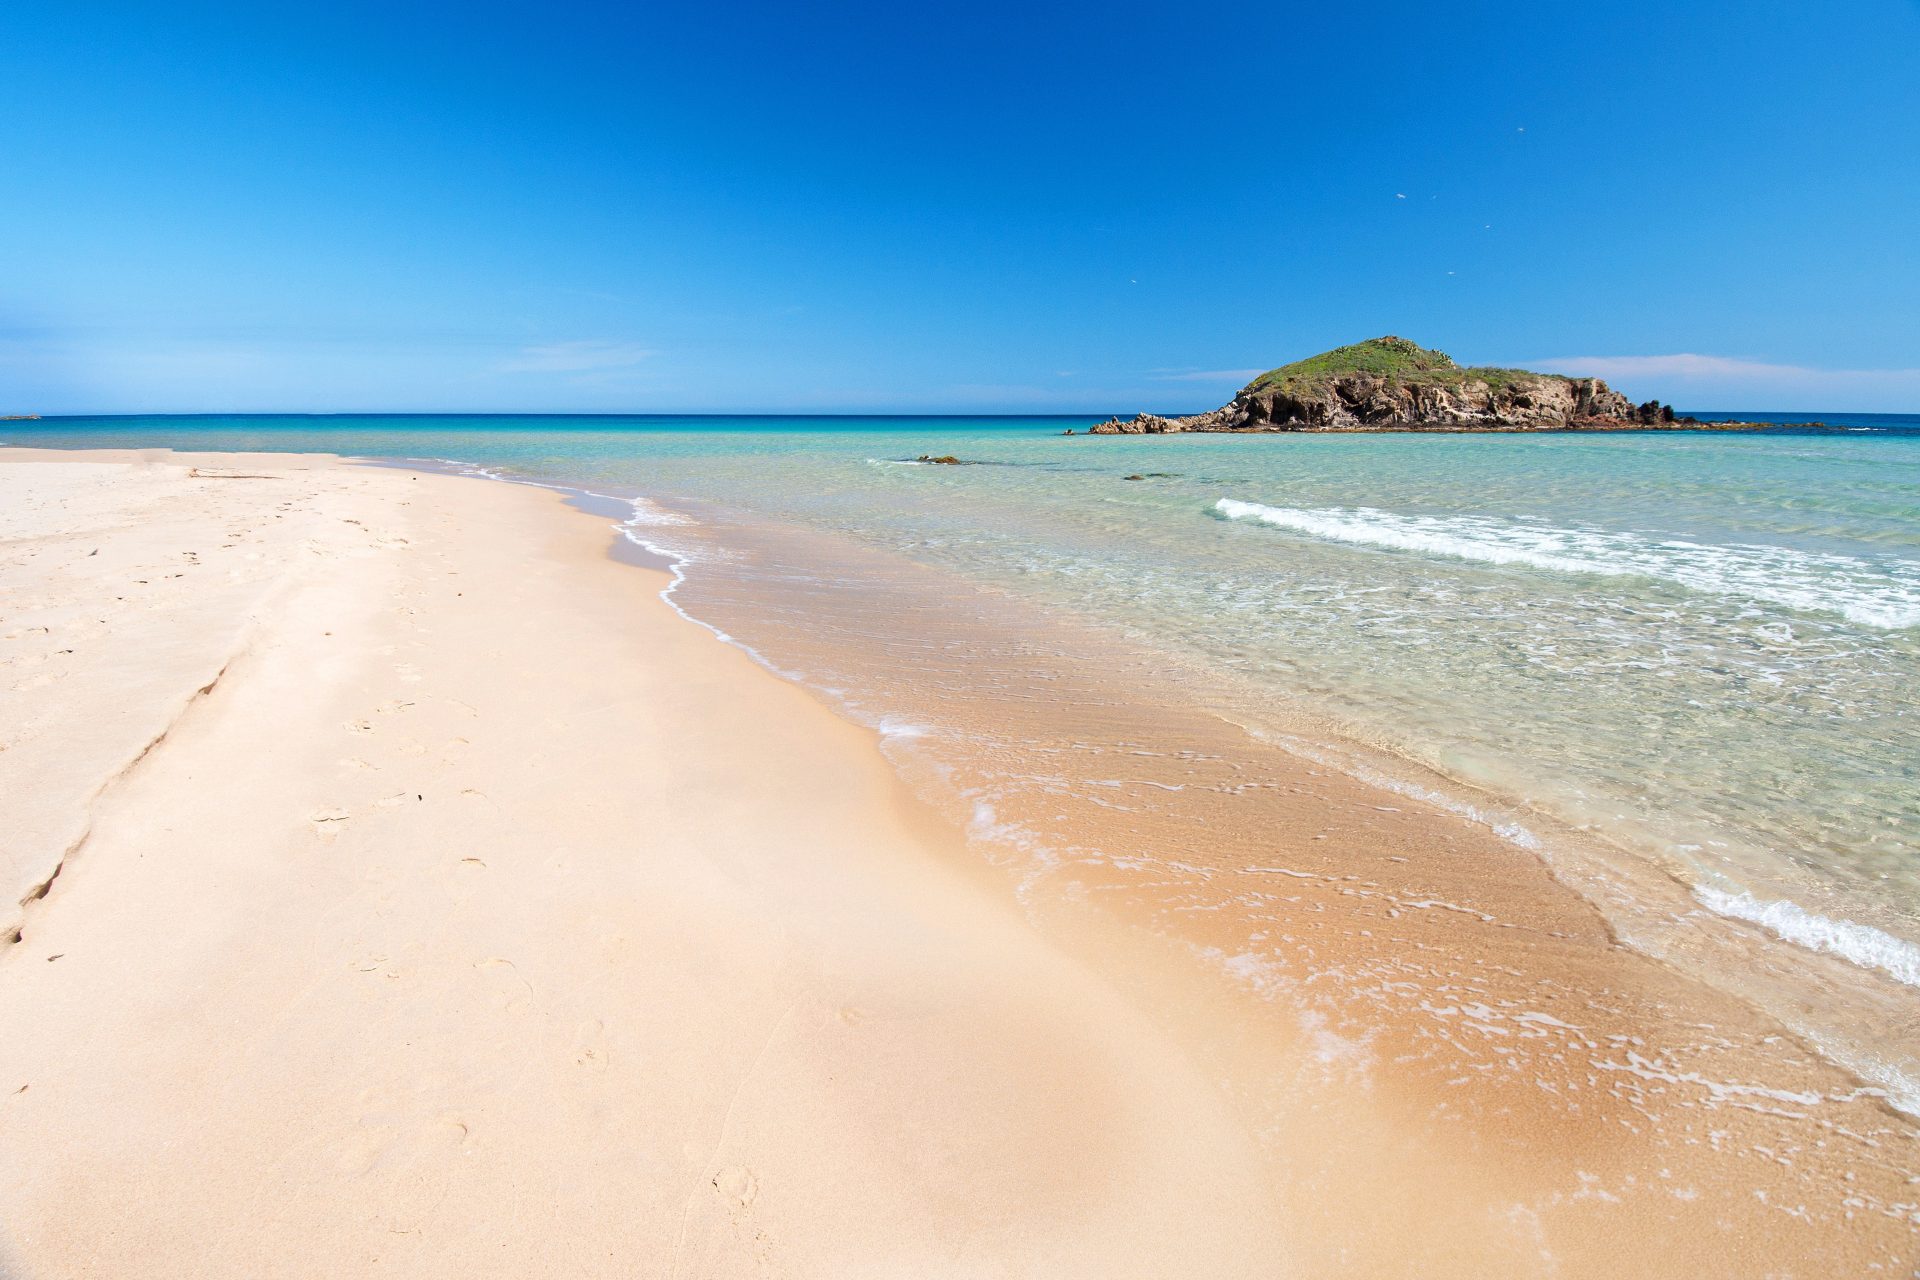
(1721, 414)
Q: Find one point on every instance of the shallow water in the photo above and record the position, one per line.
(1704, 647)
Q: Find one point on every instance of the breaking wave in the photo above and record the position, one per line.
(1863, 945)
(1882, 594)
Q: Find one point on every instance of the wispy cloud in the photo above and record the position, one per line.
(1688, 375)
(1682, 365)
(578, 357)
(1209, 375)
(1690, 365)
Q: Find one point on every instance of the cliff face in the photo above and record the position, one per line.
(1392, 384)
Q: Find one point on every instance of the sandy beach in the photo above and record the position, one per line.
(404, 888)
(445, 905)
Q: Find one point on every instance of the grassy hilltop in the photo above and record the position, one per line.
(1395, 359)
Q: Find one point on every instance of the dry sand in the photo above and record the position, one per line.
(410, 891)
(448, 906)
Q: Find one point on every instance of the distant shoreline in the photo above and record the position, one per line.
(1705, 419)
(1421, 429)
(1416, 428)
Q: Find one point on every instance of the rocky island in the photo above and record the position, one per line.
(1391, 384)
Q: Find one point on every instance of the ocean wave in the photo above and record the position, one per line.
(1882, 594)
(460, 466)
(1861, 944)
(648, 513)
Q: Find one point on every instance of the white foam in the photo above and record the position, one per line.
(987, 827)
(899, 729)
(647, 513)
(643, 514)
(1883, 594)
(1862, 944)
(474, 469)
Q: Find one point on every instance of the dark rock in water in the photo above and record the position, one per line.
(1067, 432)
(1133, 477)
(1391, 384)
(944, 460)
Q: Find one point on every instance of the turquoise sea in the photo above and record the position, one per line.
(1701, 647)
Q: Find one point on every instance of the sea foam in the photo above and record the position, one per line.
(1881, 594)
(1863, 945)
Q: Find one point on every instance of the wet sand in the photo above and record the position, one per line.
(408, 890)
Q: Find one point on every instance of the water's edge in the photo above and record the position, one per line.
(1572, 856)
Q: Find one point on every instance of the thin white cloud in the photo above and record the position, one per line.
(578, 357)
(1210, 375)
(1691, 376)
(1681, 365)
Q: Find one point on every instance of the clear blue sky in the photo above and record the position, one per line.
(996, 206)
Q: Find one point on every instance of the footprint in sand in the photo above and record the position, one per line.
(357, 1153)
(590, 1045)
(328, 821)
(519, 991)
(378, 964)
(407, 1154)
(737, 1185)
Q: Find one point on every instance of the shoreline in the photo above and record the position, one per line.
(1864, 946)
(1835, 983)
(1212, 1056)
(1580, 862)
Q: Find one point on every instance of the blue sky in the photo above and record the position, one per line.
(993, 207)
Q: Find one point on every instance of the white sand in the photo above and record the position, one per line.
(484, 917)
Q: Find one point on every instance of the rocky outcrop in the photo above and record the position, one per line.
(1391, 384)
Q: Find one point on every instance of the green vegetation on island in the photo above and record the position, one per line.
(1393, 359)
